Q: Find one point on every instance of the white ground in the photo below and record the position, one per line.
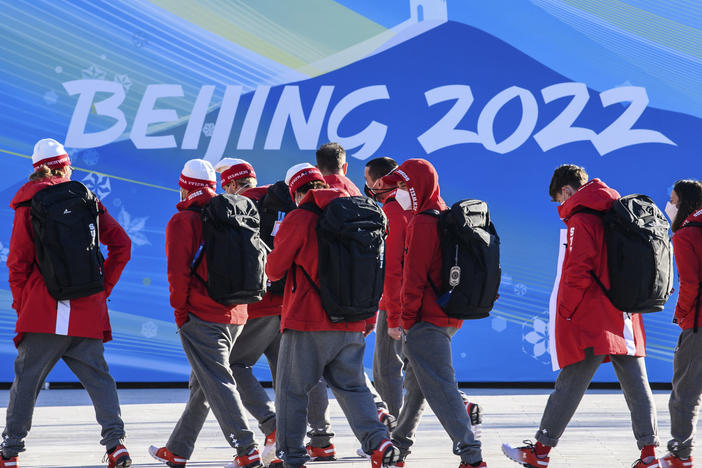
(65, 432)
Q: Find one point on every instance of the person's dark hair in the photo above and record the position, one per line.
(379, 167)
(567, 174)
(43, 171)
(330, 158)
(690, 195)
(314, 185)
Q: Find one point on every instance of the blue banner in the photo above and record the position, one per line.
(495, 94)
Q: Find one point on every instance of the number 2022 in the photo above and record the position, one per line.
(559, 131)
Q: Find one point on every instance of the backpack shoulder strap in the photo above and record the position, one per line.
(311, 207)
(24, 203)
(686, 225)
(435, 213)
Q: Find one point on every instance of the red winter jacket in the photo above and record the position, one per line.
(423, 249)
(585, 317)
(188, 294)
(687, 246)
(394, 253)
(270, 304)
(37, 310)
(296, 246)
(342, 182)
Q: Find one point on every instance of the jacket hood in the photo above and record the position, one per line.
(322, 197)
(422, 184)
(197, 198)
(695, 217)
(28, 190)
(594, 195)
(255, 193)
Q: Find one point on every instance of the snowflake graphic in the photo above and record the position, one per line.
(520, 289)
(134, 227)
(50, 97)
(535, 339)
(139, 40)
(4, 252)
(208, 129)
(499, 324)
(124, 81)
(90, 157)
(98, 184)
(58, 69)
(149, 329)
(94, 71)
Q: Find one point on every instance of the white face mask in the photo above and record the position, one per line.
(403, 198)
(671, 210)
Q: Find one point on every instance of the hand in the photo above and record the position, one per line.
(395, 333)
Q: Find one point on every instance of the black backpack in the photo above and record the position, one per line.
(273, 207)
(67, 240)
(351, 242)
(639, 255)
(699, 286)
(470, 258)
(236, 255)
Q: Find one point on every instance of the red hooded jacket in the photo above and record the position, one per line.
(188, 294)
(37, 310)
(394, 253)
(585, 317)
(296, 245)
(423, 249)
(270, 304)
(687, 247)
(342, 182)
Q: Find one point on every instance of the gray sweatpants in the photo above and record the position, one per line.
(37, 354)
(387, 366)
(208, 347)
(430, 378)
(572, 382)
(260, 336)
(684, 404)
(306, 357)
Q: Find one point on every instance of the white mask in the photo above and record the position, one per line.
(671, 210)
(403, 198)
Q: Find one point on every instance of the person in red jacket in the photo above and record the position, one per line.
(48, 330)
(208, 330)
(312, 346)
(387, 362)
(260, 336)
(685, 212)
(588, 329)
(331, 161)
(427, 329)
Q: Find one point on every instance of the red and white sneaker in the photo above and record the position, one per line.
(252, 459)
(268, 453)
(670, 460)
(466, 465)
(164, 455)
(652, 463)
(327, 453)
(119, 458)
(525, 455)
(388, 419)
(8, 462)
(385, 455)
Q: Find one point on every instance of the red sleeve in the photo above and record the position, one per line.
(21, 258)
(394, 253)
(180, 252)
(421, 243)
(688, 262)
(119, 249)
(287, 242)
(582, 252)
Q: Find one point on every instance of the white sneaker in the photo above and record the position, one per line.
(362, 454)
